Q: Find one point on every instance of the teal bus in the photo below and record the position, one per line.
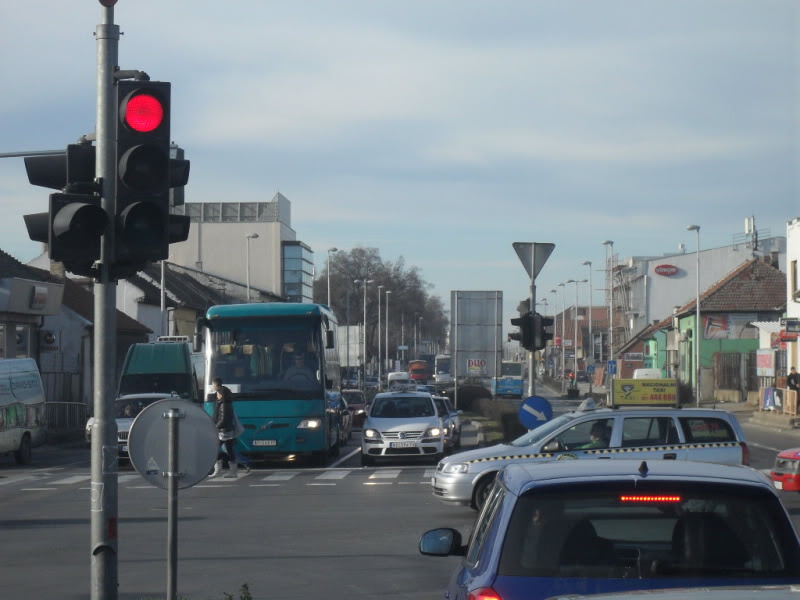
(288, 412)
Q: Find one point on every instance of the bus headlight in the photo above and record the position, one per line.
(310, 424)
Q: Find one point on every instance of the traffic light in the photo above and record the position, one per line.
(73, 226)
(542, 331)
(145, 174)
(525, 334)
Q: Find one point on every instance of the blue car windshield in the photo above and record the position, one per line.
(536, 435)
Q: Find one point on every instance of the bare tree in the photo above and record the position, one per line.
(410, 298)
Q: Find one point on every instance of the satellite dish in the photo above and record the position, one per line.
(148, 443)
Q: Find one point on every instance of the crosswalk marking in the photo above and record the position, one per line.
(71, 480)
(284, 476)
(334, 475)
(386, 474)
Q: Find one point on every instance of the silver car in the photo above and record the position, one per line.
(402, 425)
(706, 435)
(127, 408)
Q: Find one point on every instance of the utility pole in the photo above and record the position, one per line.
(104, 497)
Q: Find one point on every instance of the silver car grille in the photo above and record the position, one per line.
(401, 435)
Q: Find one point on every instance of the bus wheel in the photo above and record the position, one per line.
(23, 454)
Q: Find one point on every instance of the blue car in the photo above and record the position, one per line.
(589, 527)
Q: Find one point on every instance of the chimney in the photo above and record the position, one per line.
(773, 258)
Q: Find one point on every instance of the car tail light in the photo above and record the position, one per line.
(650, 498)
(484, 594)
(745, 454)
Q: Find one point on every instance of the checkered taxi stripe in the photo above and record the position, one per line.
(605, 451)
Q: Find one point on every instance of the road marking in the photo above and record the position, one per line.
(334, 475)
(16, 479)
(284, 476)
(37, 489)
(71, 480)
(385, 474)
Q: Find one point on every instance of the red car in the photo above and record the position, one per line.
(356, 401)
(786, 472)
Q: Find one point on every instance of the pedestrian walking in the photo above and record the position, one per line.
(224, 419)
(793, 380)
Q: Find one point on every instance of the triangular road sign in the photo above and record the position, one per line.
(533, 255)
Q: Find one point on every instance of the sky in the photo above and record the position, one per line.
(443, 131)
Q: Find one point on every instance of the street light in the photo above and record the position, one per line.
(329, 272)
(575, 332)
(366, 282)
(698, 326)
(563, 329)
(247, 238)
(591, 309)
(555, 324)
(387, 331)
(610, 288)
(380, 287)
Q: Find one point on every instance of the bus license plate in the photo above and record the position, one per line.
(265, 442)
(402, 444)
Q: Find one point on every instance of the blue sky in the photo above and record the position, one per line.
(443, 130)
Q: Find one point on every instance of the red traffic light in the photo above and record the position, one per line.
(144, 112)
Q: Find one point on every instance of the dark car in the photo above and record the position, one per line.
(345, 421)
(586, 527)
(357, 402)
(582, 376)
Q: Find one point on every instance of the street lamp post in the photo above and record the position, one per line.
(555, 325)
(591, 310)
(366, 282)
(247, 238)
(698, 325)
(380, 366)
(575, 332)
(563, 330)
(610, 286)
(329, 272)
(388, 366)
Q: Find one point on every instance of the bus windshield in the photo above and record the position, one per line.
(511, 369)
(257, 356)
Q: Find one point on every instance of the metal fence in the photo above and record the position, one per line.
(65, 417)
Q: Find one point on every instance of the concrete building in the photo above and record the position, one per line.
(648, 288)
(251, 242)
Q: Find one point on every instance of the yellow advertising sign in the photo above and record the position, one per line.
(646, 392)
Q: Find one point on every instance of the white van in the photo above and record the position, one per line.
(22, 409)
(400, 381)
(647, 374)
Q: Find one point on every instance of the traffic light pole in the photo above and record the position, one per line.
(104, 492)
(532, 353)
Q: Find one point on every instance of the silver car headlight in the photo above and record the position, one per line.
(455, 468)
(372, 434)
(433, 432)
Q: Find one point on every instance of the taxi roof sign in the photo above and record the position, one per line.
(646, 392)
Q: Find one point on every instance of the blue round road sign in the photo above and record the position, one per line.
(535, 411)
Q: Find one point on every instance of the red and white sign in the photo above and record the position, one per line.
(666, 270)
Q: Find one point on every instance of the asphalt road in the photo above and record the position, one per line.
(341, 531)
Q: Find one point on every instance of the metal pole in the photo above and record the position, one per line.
(329, 273)
(104, 499)
(563, 333)
(388, 365)
(698, 326)
(531, 353)
(591, 310)
(380, 365)
(172, 514)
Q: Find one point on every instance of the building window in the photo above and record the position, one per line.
(298, 272)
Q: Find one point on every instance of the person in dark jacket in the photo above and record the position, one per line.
(224, 421)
